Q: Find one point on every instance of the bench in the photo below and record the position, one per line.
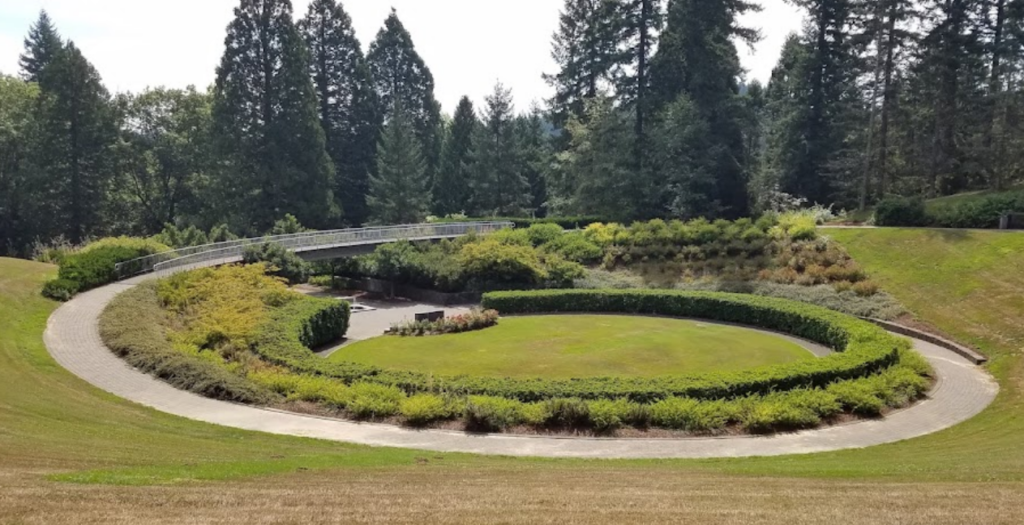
(1011, 221)
(430, 316)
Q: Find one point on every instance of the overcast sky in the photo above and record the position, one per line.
(468, 44)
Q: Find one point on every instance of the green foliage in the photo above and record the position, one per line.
(566, 412)
(94, 265)
(474, 320)
(493, 413)
(901, 211)
(492, 262)
(398, 190)
(281, 261)
(177, 238)
(499, 187)
(543, 233)
(607, 415)
(421, 409)
(690, 414)
(134, 327)
(374, 401)
(61, 289)
(574, 247)
(269, 140)
(42, 46)
(287, 226)
(347, 109)
(451, 189)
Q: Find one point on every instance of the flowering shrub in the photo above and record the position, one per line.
(474, 320)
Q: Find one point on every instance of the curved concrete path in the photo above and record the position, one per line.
(72, 338)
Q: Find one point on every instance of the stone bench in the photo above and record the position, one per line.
(430, 317)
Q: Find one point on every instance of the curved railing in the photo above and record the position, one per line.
(303, 242)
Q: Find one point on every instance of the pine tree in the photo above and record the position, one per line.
(18, 102)
(533, 152)
(347, 105)
(595, 175)
(451, 189)
(499, 188)
(76, 133)
(680, 144)
(266, 123)
(641, 21)
(585, 49)
(41, 46)
(401, 78)
(832, 70)
(697, 57)
(398, 191)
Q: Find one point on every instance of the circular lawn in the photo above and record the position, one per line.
(573, 346)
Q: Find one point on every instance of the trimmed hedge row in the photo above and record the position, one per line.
(862, 349)
(298, 327)
(568, 223)
(982, 213)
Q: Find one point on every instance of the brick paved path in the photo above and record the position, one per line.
(72, 338)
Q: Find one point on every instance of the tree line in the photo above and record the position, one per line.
(650, 117)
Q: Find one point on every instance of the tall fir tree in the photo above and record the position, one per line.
(451, 190)
(402, 79)
(533, 152)
(641, 22)
(76, 135)
(585, 48)
(398, 190)
(697, 58)
(266, 122)
(347, 103)
(19, 183)
(499, 189)
(41, 46)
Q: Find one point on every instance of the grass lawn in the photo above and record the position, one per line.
(567, 346)
(131, 464)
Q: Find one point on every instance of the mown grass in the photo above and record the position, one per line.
(941, 203)
(968, 284)
(568, 346)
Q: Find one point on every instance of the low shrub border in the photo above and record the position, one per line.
(861, 349)
(468, 322)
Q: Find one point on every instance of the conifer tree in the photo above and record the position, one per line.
(451, 189)
(398, 190)
(641, 21)
(402, 79)
(347, 106)
(76, 133)
(18, 223)
(533, 152)
(41, 46)
(585, 48)
(273, 152)
(499, 189)
(697, 58)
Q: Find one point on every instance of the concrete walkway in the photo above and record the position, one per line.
(72, 338)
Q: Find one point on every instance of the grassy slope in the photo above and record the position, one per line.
(567, 346)
(51, 422)
(939, 203)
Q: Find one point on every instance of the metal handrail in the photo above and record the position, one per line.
(301, 242)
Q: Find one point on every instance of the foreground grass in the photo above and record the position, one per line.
(54, 428)
(567, 346)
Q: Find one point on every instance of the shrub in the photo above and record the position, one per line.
(901, 211)
(543, 233)
(95, 264)
(857, 397)
(282, 262)
(575, 247)
(563, 273)
(61, 289)
(772, 413)
(493, 413)
(690, 414)
(421, 409)
(566, 412)
(491, 262)
(606, 415)
(369, 400)
(983, 212)
(865, 288)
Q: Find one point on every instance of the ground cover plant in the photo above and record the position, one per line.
(94, 264)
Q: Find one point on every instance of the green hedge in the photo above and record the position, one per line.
(95, 264)
(299, 326)
(982, 212)
(862, 349)
(568, 223)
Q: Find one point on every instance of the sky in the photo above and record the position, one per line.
(468, 45)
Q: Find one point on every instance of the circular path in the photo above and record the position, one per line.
(72, 338)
